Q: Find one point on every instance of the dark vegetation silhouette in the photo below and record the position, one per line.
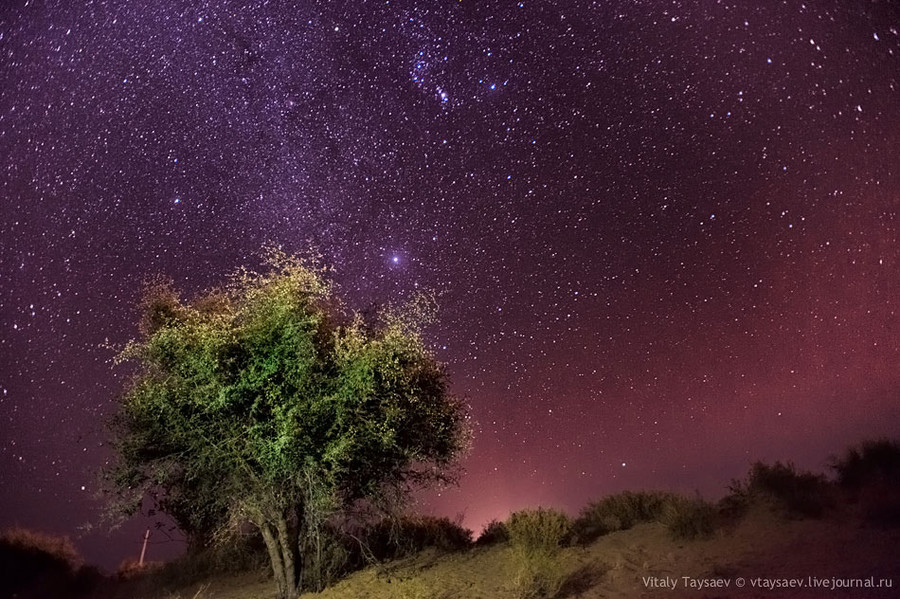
(686, 518)
(782, 487)
(864, 490)
(872, 463)
(245, 553)
(493, 533)
(395, 538)
(869, 475)
(37, 565)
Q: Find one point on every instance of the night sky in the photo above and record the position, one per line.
(664, 235)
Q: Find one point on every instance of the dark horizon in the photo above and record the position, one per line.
(663, 236)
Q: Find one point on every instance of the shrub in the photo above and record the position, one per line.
(129, 568)
(690, 519)
(685, 518)
(880, 507)
(328, 555)
(57, 548)
(872, 463)
(241, 554)
(87, 578)
(780, 486)
(622, 511)
(392, 538)
(495, 532)
(535, 537)
(870, 473)
(538, 529)
(38, 564)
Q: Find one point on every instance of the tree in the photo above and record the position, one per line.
(265, 401)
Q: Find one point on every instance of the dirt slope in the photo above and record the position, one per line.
(762, 551)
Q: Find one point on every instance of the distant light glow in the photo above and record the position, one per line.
(650, 273)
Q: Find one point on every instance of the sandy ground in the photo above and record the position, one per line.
(761, 552)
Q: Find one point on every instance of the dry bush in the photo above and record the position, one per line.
(538, 529)
(535, 538)
(398, 537)
(330, 554)
(42, 565)
(869, 474)
(241, 554)
(871, 463)
(686, 518)
(58, 548)
(129, 568)
(495, 532)
(783, 488)
(690, 519)
(624, 510)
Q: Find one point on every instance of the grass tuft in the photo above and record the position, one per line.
(535, 538)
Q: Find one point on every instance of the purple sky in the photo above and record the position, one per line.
(664, 235)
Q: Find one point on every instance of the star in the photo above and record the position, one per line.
(615, 237)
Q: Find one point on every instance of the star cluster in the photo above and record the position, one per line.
(663, 235)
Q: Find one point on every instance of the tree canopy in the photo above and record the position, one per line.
(266, 401)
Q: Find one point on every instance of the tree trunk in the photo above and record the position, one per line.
(274, 549)
(281, 543)
(290, 555)
(283, 558)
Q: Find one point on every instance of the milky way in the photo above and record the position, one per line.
(664, 235)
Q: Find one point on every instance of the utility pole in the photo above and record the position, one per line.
(144, 548)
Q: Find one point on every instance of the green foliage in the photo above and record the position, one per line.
(265, 401)
(780, 486)
(535, 537)
(495, 532)
(35, 564)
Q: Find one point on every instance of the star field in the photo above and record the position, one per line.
(663, 235)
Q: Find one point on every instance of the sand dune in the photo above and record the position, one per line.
(771, 556)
